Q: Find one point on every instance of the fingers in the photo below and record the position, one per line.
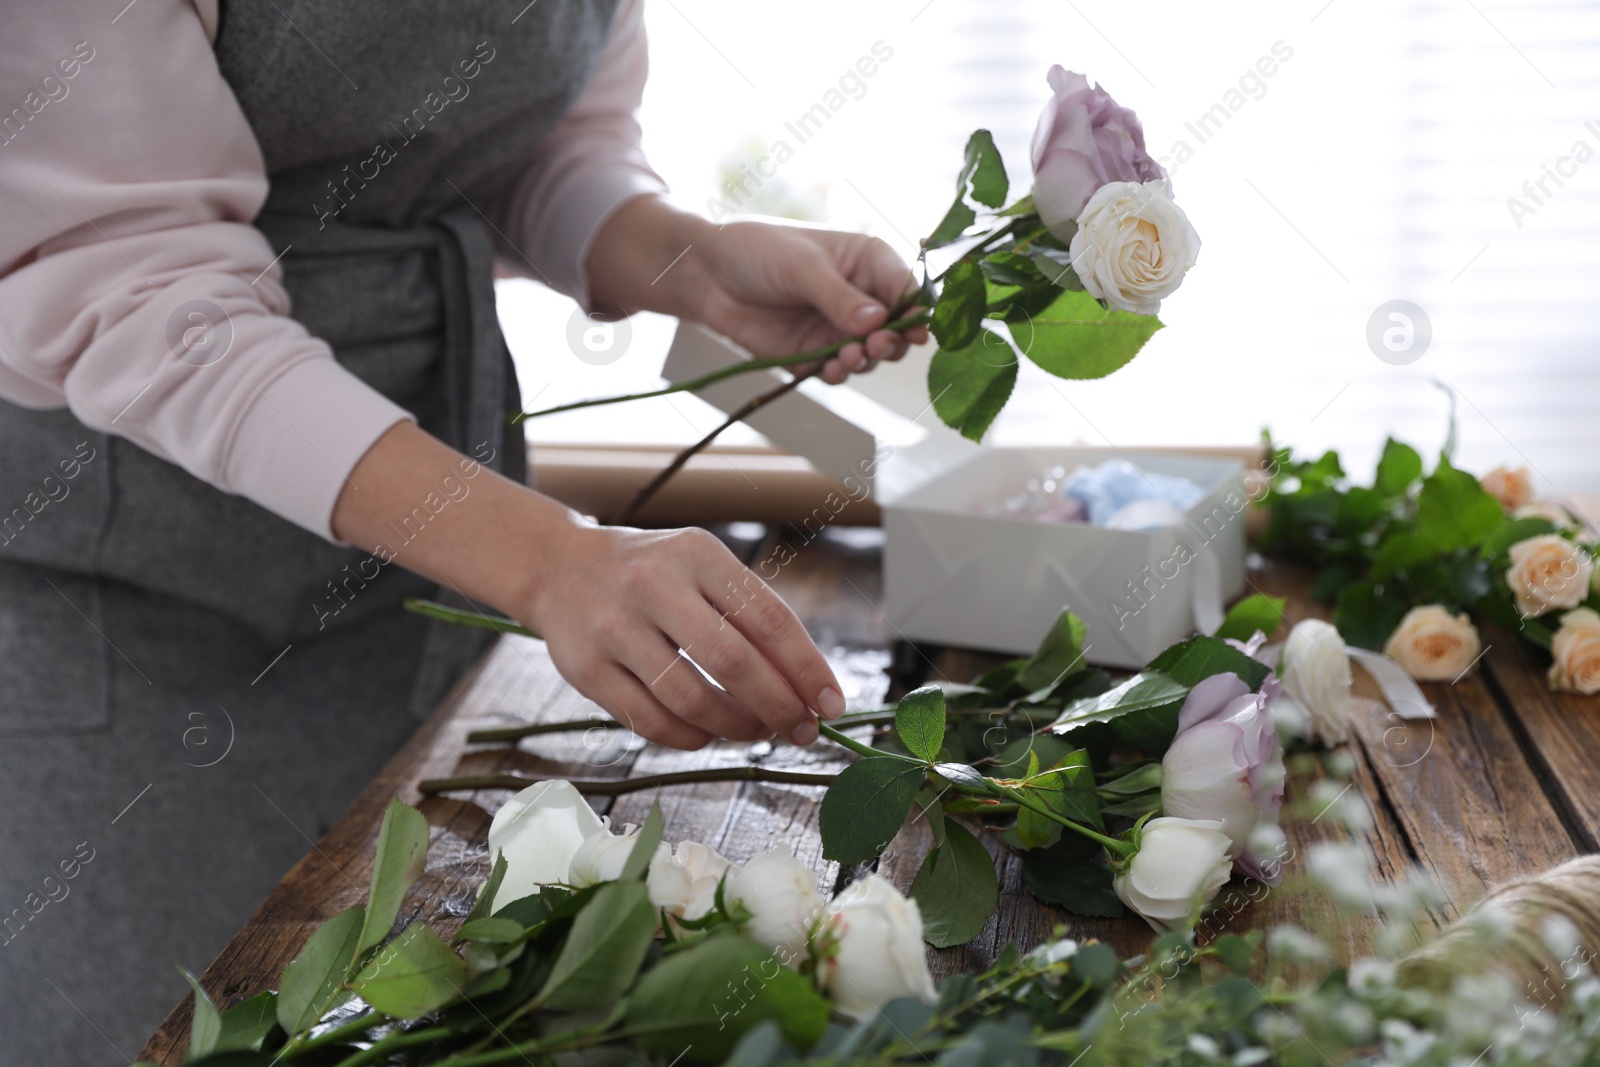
(761, 616)
(626, 700)
(848, 308)
(675, 683)
(725, 653)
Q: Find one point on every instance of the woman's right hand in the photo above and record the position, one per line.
(615, 607)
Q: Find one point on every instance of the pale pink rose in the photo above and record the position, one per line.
(1513, 488)
(1576, 652)
(1084, 140)
(1548, 572)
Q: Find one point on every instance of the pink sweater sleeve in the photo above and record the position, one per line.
(588, 166)
(133, 288)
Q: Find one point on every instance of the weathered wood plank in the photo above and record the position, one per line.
(1561, 731)
(1472, 810)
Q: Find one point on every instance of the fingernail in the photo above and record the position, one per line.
(805, 733)
(831, 703)
(864, 316)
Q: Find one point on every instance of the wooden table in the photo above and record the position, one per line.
(1506, 781)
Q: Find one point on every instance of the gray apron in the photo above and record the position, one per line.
(140, 615)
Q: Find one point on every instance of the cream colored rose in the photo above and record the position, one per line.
(1544, 509)
(1133, 245)
(1576, 648)
(1548, 572)
(1513, 488)
(1315, 669)
(1434, 645)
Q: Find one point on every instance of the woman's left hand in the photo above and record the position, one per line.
(775, 289)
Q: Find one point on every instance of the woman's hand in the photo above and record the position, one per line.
(622, 604)
(776, 289)
(614, 605)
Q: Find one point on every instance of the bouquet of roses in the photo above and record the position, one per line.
(1407, 560)
(1070, 276)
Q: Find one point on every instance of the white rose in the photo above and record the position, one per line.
(538, 831)
(780, 893)
(683, 883)
(1133, 245)
(1315, 671)
(602, 856)
(1434, 645)
(1180, 865)
(1576, 652)
(871, 949)
(1548, 572)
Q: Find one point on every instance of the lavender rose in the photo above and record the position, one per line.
(1227, 764)
(1084, 140)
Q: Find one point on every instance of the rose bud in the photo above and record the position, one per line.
(1513, 488)
(1314, 670)
(1180, 865)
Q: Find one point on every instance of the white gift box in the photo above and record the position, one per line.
(955, 575)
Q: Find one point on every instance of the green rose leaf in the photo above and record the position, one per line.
(1454, 511)
(312, 980)
(412, 975)
(485, 901)
(1067, 874)
(1055, 265)
(983, 175)
(1074, 337)
(1253, 613)
(971, 385)
(959, 313)
(494, 931)
(919, 720)
(866, 805)
(1368, 613)
(1143, 692)
(952, 226)
(1513, 531)
(402, 851)
(1398, 467)
(1011, 268)
(246, 1025)
(956, 888)
(205, 1032)
(983, 179)
(1059, 656)
(604, 949)
(701, 1001)
(1188, 662)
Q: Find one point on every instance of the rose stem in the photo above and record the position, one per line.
(612, 787)
(885, 717)
(648, 490)
(921, 318)
(435, 610)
